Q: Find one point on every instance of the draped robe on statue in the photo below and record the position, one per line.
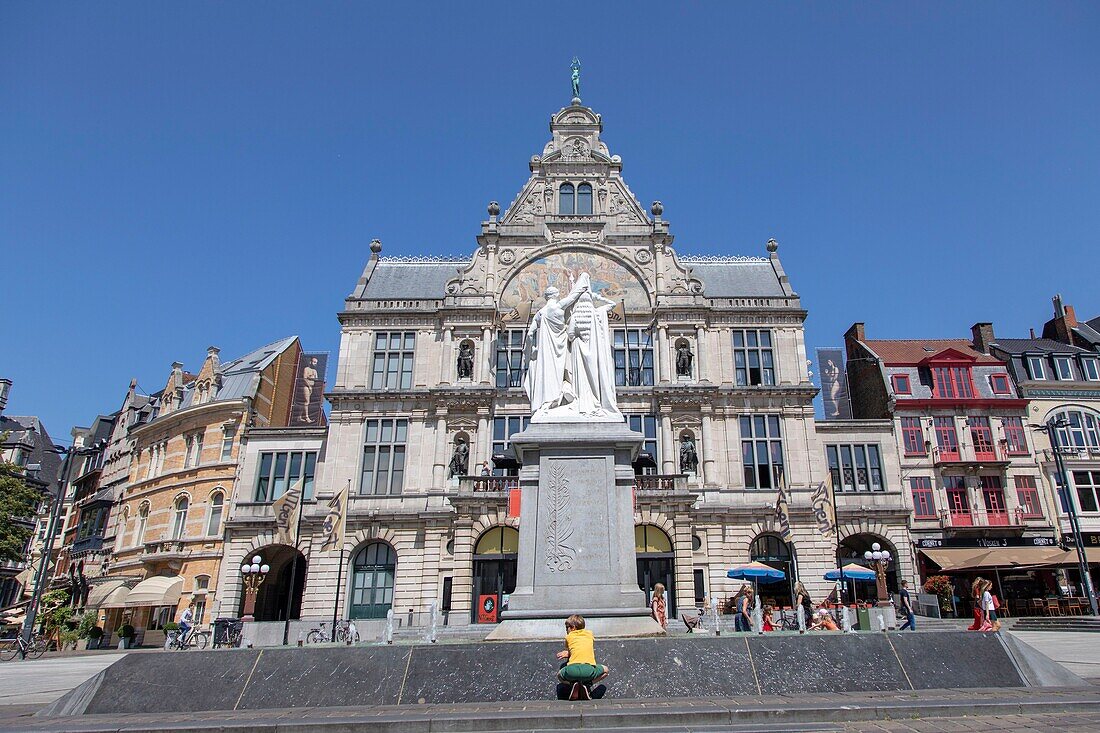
(547, 354)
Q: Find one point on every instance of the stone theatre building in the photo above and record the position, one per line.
(711, 368)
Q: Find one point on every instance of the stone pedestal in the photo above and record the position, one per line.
(576, 534)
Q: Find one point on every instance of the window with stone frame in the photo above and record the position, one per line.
(633, 354)
(856, 467)
(1090, 368)
(762, 451)
(952, 382)
(392, 361)
(647, 426)
(1062, 368)
(228, 434)
(1027, 497)
(1081, 433)
(214, 514)
(179, 517)
(383, 471)
(947, 440)
(981, 433)
(280, 469)
(924, 501)
(1015, 438)
(509, 358)
(753, 358)
(912, 436)
(1087, 484)
(504, 427)
(193, 451)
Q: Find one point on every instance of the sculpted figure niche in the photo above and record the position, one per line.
(570, 369)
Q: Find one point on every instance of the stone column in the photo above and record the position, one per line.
(662, 353)
(684, 564)
(700, 353)
(667, 460)
(708, 449)
(483, 449)
(446, 365)
(440, 462)
(488, 354)
(462, 577)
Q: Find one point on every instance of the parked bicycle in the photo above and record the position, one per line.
(345, 633)
(195, 639)
(33, 649)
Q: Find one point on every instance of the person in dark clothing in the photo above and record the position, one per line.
(906, 608)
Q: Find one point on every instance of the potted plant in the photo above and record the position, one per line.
(171, 632)
(941, 587)
(94, 636)
(125, 636)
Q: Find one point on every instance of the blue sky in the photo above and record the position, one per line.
(175, 175)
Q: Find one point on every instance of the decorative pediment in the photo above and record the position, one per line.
(948, 356)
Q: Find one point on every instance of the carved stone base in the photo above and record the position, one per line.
(603, 627)
(576, 537)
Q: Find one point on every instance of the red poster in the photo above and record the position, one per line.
(487, 609)
(513, 504)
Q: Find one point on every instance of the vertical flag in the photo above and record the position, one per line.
(821, 500)
(332, 531)
(618, 313)
(287, 508)
(520, 314)
(783, 517)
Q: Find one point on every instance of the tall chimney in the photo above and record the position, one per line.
(983, 336)
(5, 389)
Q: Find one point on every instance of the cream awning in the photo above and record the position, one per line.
(159, 591)
(109, 594)
(954, 559)
(1000, 557)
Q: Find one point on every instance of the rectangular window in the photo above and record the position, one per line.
(200, 611)
(384, 457)
(762, 451)
(901, 384)
(958, 501)
(700, 586)
(924, 503)
(993, 495)
(1035, 367)
(633, 358)
(392, 365)
(280, 470)
(1062, 368)
(1087, 484)
(753, 360)
(503, 430)
(445, 606)
(1090, 369)
(1027, 496)
(1015, 442)
(952, 383)
(946, 438)
(509, 358)
(999, 384)
(227, 444)
(855, 467)
(912, 436)
(647, 426)
(188, 451)
(982, 435)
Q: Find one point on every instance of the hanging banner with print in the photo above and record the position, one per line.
(332, 531)
(288, 508)
(834, 384)
(519, 315)
(821, 501)
(307, 404)
(783, 517)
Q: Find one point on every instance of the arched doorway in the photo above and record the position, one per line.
(494, 572)
(771, 550)
(851, 551)
(656, 563)
(273, 600)
(372, 572)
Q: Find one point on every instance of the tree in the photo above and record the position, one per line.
(19, 500)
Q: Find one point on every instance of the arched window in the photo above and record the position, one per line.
(566, 204)
(372, 575)
(214, 514)
(498, 541)
(179, 522)
(1082, 433)
(142, 521)
(584, 198)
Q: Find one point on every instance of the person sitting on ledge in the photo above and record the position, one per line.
(823, 621)
(579, 671)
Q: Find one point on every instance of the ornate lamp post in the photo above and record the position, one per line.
(253, 575)
(880, 561)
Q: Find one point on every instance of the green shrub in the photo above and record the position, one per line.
(96, 632)
(126, 631)
(86, 624)
(171, 626)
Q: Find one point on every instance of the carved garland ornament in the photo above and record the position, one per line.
(559, 528)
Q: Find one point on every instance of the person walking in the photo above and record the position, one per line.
(906, 607)
(657, 607)
(988, 607)
(742, 604)
(976, 603)
(802, 601)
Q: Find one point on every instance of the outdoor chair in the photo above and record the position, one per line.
(1053, 607)
(1036, 606)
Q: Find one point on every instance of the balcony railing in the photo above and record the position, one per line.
(87, 544)
(1017, 518)
(488, 483)
(164, 549)
(660, 482)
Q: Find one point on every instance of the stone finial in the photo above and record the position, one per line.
(376, 246)
(494, 208)
(177, 366)
(657, 208)
(773, 245)
(212, 351)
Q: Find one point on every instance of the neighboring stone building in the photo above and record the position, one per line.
(967, 454)
(168, 543)
(1060, 374)
(712, 371)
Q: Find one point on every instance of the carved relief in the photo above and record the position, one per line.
(576, 149)
(559, 526)
(507, 256)
(643, 256)
(531, 207)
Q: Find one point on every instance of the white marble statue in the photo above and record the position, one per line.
(570, 369)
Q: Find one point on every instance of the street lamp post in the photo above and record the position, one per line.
(253, 574)
(880, 561)
(1051, 429)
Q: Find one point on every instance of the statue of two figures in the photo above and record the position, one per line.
(570, 369)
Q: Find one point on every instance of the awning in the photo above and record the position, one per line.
(1000, 557)
(109, 594)
(158, 591)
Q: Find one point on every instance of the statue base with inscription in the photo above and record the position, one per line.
(576, 534)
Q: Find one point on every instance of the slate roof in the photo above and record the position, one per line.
(239, 377)
(1089, 331)
(737, 279)
(1039, 345)
(912, 351)
(29, 430)
(392, 280)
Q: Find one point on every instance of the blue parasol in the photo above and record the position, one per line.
(756, 571)
(851, 571)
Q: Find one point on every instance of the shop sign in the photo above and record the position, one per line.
(929, 543)
(487, 609)
(1090, 539)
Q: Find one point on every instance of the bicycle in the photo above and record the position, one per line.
(345, 631)
(195, 639)
(33, 649)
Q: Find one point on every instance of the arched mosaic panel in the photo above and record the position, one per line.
(609, 278)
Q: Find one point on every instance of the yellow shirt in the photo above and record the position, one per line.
(582, 646)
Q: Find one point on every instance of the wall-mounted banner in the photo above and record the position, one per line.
(783, 517)
(307, 406)
(332, 531)
(834, 384)
(821, 501)
(287, 509)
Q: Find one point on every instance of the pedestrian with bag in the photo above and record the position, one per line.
(976, 603)
(989, 605)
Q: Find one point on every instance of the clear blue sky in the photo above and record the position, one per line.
(174, 175)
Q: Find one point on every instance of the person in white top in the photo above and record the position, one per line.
(989, 611)
(187, 619)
